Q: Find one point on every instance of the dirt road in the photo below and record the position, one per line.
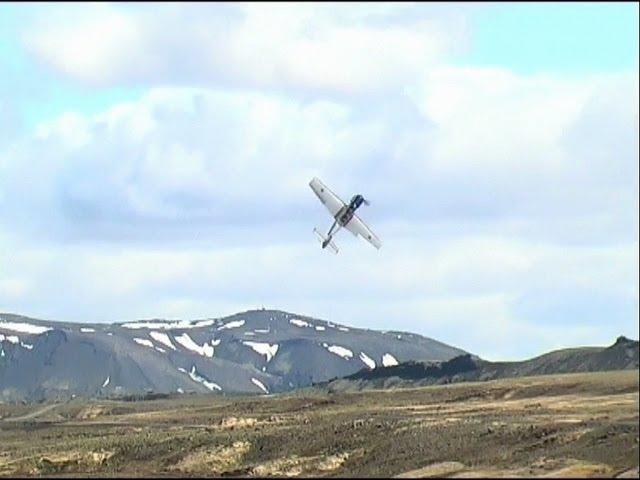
(32, 415)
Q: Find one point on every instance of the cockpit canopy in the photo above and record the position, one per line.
(357, 200)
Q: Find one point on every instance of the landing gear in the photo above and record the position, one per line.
(326, 241)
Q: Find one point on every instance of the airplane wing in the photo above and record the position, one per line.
(326, 196)
(358, 227)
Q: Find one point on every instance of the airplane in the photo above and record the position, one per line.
(344, 216)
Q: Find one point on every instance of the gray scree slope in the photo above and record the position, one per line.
(259, 351)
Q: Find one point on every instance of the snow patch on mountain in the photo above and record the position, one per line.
(232, 324)
(340, 351)
(168, 325)
(162, 338)
(24, 327)
(265, 349)
(389, 360)
(143, 341)
(368, 361)
(299, 323)
(200, 379)
(204, 323)
(106, 382)
(160, 325)
(185, 340)
(10, 338)
(259, 384)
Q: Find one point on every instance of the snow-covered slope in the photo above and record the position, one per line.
(259, 351)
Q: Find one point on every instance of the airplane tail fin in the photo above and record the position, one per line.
(326, 242)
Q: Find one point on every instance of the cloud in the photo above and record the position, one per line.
(192, 202)
(338, 48)
(179, 156)
(192, 158)
(507, 204)
(492, 296)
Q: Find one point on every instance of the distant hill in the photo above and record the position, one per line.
(259, 352)
(622, 355)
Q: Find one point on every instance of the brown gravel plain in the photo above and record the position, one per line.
(574, 425)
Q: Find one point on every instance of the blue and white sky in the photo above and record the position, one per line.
(155, 160)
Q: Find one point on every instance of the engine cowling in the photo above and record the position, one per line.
(356, 201)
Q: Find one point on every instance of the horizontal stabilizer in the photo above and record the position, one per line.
(321, 238)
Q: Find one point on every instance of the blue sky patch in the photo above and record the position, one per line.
(556, 37)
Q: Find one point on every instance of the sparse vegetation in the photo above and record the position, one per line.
(568, 425)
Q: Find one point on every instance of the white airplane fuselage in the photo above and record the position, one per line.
(343, 217)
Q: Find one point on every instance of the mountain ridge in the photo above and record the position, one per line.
(623, 354)
(256, 351)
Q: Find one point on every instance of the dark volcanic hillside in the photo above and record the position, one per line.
(260, 351)
(622, 355)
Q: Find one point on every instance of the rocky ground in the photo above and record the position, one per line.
(558, 425)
